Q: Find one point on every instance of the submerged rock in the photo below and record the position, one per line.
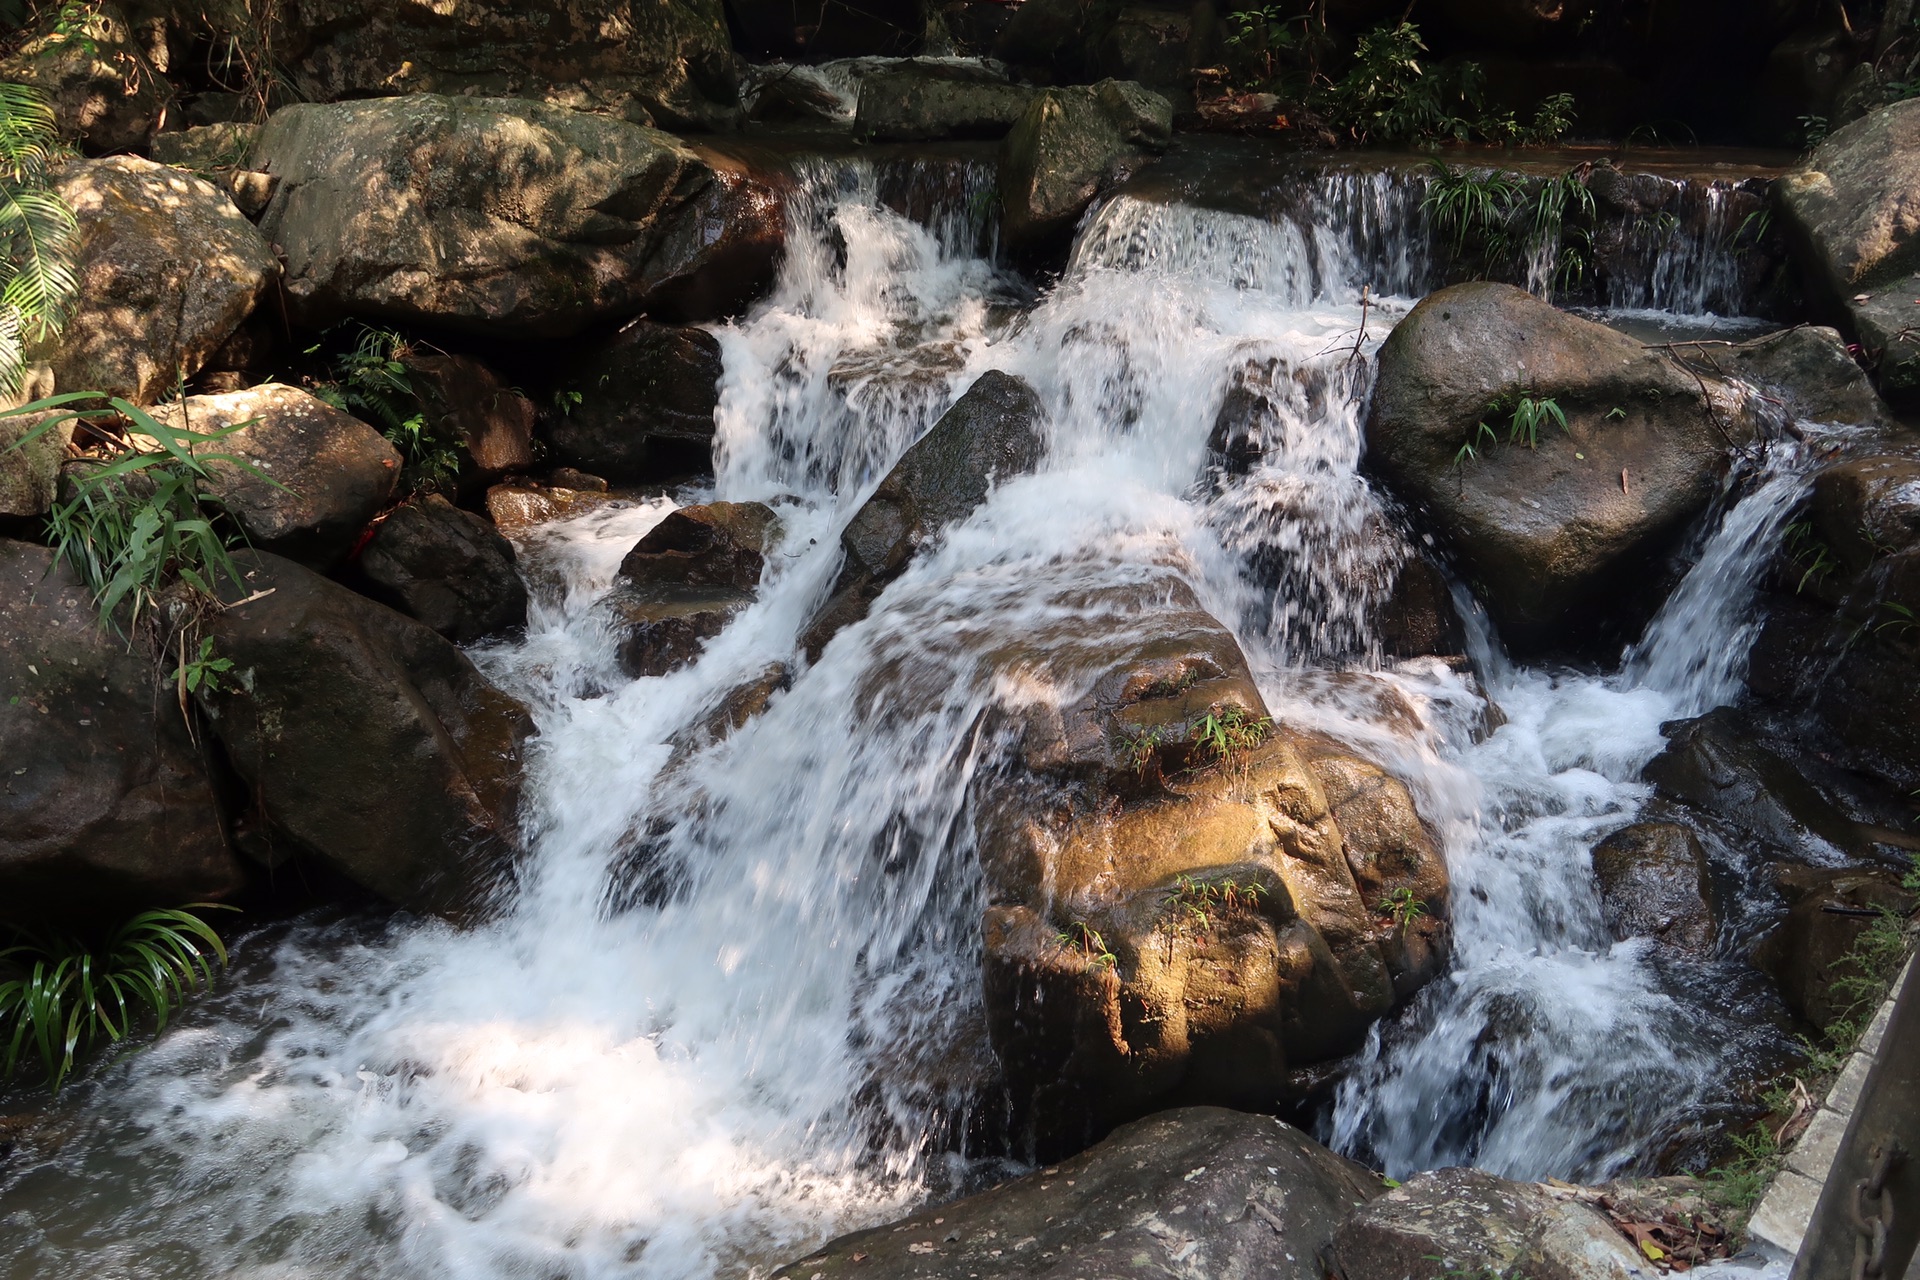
(646, 403)
(365, 739)
(1068, 145)
(488, 214)
(1653, 884)
(1176, 911)
(685, 581)
(106, 805)
(447, 568)
(168, 270)
(1194, 1192)
(318, 477)
(1571, 531)
(1464, 1222)
(991, 434)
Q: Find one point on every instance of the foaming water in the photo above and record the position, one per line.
(730, 1006)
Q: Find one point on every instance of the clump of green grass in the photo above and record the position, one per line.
(69, 996)
(1084, 939)
(1524, 413)
(1195, 903)
(1224, 734)
(1402, 906)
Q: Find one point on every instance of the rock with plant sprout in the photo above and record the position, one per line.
(313, 477)
(1560, 460)
(640, 406)
(106, 804)
(446, 567)
(168, 270)
(1178, 906)
(1816, 955)
(365, 739)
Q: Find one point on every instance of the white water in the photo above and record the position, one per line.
(725, 1012)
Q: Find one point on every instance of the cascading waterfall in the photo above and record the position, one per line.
(731, 1007)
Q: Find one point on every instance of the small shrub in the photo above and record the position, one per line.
(371, 381)
(68, 995)
(1226, 733)
(1401, 907)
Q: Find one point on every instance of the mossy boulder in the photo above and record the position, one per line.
(100, 78)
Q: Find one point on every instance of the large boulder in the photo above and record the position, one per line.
(447, 568)
(487, 214)
(1066, 147)
(720, 253)
(641, 406)
(168, 270)
(1812, 955)
(365, 739)
(1654, 884)
(1853, 207)
(685, 580)
(107, 95)
(105, 801)
(1185, 901)
(313, 478)
(1461, 1222)
(1561, 534)
(665, 63)
(1194, 1192)
(991, 434)
(919, 101)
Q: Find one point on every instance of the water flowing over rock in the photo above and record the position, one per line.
(492, 213)
(646, 403)
(168, 270)
(991, 434)
(1471, 1223)
(1066, 146)
(366, 740)
(314, 477)
(447, 568)
(1178, 916)
(667, 64)
(684, 581)
(1653, 883)
(1558, 533)
(106, 806)
(1851, 206)
(1198, 1191)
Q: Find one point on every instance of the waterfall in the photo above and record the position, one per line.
(731, 1007)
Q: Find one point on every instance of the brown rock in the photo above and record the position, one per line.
(1810, 955)
(1653, 884)
(468, 402)
(684, 581)
(447, 568)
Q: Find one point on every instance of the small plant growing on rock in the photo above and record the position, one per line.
(1195, 902)
(69, 995)
(1226, 733)
(1524, 413)
(1402, 907)
(1139, 748)
(1083, 938)
(371, 381)
(204, 670)
(1809, 553)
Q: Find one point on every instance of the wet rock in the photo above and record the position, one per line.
(1867, 509)
(991, 434)
(318, 476)
(1571, 532)
(105, 92)
(1168, 923)
(1198, 1191)
(515, 508)
(919, 101)
(1653, 884)
(468, 402)
(489, 214)
(719, 254)
(670, 64)
(106, 806)
(1464, 1222)
(1417, 619)
(447, 568)
(1847, 207)
(1810, 955)
(684, 581)
(367, 740)
(1068, 145)
(646, 403)
(1813, 375)
(168, 270)
(30, 473)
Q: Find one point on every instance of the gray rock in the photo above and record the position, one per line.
(207, 147)
(918, 101)
(106, 93)
(1464, 1222)
(1557, 536)
(447, 568)
(485, 214)
(168, 270)
(1653, 884)
(1068, 145)
(106, 806)
(366, 740)
(646, 403)
(1194, 1192)
(1811, 372)
(323, 475)
(991, 434)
